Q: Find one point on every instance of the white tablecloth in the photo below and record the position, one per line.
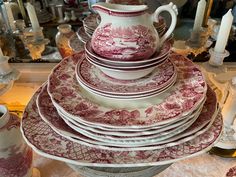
(202, 166)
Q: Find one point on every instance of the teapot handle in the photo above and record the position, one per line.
(172, 9)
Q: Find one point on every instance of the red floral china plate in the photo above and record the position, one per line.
(45, 141)
(180, 100)
(114, 97)
(159, 128)
(46, 108)
(95, 79)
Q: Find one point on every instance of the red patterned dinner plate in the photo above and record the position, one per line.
(45, 141)
(180, 100)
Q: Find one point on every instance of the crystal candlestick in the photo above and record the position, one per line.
(35, 42)
(197, 39)
(217, 58)
(60, 14)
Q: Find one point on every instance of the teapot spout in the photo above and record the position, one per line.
(117, 9)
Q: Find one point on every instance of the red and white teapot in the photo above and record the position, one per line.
(15, 155)
(126, 32)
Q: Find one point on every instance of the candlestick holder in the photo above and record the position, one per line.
(35, 42)
(7, 75)
(217, 58)
(4, 66)
(197, 38)
(215, 64)
(228, 138)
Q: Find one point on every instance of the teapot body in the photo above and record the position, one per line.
(125, 36)
(126, 32)
(15, 156)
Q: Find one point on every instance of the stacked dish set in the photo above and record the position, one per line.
(123, 111)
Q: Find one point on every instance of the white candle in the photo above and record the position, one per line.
(224, 32)
(199, 15)
(1, 55)
(33, 17)
(10, 16)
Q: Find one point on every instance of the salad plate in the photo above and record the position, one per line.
(142, 96)
(92, 77)
(181, 100)
(45, 141)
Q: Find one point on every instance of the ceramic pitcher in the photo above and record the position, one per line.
(15, 155)
(126, 32)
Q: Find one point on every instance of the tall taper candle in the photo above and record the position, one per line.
(33, 17)
(199, 15)
(223, 35)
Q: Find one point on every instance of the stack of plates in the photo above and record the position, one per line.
(94, 80)
(66, 122)
(90, 24)
(81, 34)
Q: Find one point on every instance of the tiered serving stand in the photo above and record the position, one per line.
(107, 118)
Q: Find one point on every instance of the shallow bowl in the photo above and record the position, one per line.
(128, 74)
(150, 64)
(164, 51)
